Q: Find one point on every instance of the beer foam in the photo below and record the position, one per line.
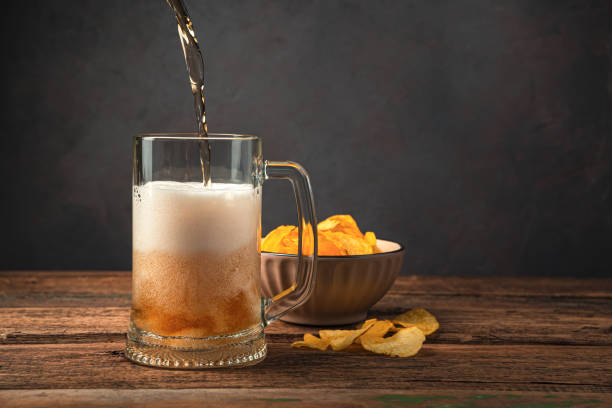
(188, 217)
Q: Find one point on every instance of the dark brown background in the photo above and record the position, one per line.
(477, 133)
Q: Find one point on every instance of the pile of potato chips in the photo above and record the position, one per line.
(338, 235)
(409, 330)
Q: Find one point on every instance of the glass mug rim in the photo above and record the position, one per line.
(196, 136)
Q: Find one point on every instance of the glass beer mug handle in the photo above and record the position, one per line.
(300, 291)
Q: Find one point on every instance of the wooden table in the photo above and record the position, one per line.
(503, 342)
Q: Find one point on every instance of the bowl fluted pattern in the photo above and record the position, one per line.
(345, 288)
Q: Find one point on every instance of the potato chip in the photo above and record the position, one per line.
(401, 326)
(367, 322)
(378, 330)
(344, 223)
(328, 247)
(311, 341)
(405, 343)
(351, 244)
(338, 235)
(289, 242)
(370, 238)
(284, 240)
(271, 243)
(341, 339)
(421, 318)
(327, 225)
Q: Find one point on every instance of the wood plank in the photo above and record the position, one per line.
(437, 366)
(62, 324)
(118, 282)
(463, 319)
(65, 288)
(504, 286)
(286, 397)
(485, 318)
(65, 282)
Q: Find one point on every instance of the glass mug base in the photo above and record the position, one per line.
(244, 348)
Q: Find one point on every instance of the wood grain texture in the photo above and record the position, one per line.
(288, 397)
(463, 320)
(119, 282)
(83, 306)
(530, 367)
(65, 331)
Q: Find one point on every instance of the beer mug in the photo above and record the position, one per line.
(196, 296)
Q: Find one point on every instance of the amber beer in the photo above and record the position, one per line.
(196, 261)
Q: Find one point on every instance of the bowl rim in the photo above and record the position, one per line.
(330, 257)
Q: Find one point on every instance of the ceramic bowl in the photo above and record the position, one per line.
(346, 286)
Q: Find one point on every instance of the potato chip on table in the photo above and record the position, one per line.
(311, 341)
(341, 339)
(406, 341)
(420, 318)
(378, 330)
